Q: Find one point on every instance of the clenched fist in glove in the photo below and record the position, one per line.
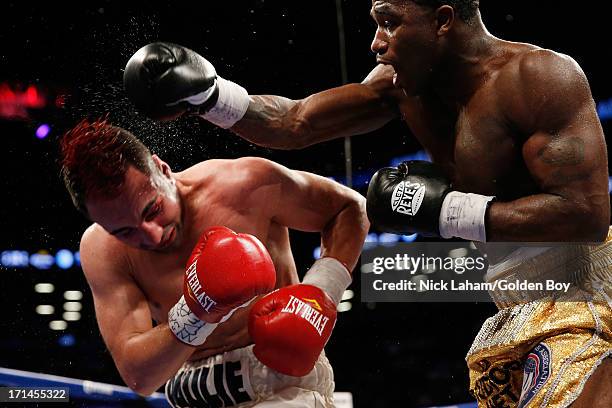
(225, 271)
(166, 80)
(416, 197)
(291, 325)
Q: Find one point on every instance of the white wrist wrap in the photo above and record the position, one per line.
(231, 105)
(329, 275)
(463, 216)
(186, 326)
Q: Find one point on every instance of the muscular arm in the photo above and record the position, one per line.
(307, 202)
(281, 123)
(565, 154)
(145, 356)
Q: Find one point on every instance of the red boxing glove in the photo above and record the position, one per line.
(290, 327)
(225, 271)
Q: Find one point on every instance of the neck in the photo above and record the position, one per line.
(463, 68)
(182, 192)
(190, 220)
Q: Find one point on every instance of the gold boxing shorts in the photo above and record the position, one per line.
(540, 352)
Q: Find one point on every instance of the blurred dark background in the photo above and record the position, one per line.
(60, 62)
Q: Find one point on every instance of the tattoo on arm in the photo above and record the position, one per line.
(562, 152)
(565, 155)
(561, 177)
(268, 107)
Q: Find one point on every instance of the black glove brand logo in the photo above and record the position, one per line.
(407, 197)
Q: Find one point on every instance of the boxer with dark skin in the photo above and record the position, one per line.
(503, 119)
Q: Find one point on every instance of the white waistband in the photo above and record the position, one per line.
(582, 266)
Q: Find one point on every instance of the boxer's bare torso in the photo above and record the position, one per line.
(134, 255)
(214, 195)
(505, 119)
(522, 126)
(474, 139)
(232, 193)
(507, 138)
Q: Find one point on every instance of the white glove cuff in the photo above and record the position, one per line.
(231, 105)
(463, 216)
(329, 275)
(186, 326)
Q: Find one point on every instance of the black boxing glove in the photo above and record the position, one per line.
(416, 197)
(407, 199)
(166, 80)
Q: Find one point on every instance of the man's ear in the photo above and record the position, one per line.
(446, 17)
(161, 165)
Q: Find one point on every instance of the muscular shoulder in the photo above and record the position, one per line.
(102, 256)
(255, 172)
(229, 170)
(268, 181)
(244, 181)
(264, 183)
(541, 86)
(200, 171)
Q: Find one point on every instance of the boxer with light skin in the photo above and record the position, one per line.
(517, 148)
(147, 219)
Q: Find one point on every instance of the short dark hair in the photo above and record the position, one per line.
(95, 157)
(465, 9)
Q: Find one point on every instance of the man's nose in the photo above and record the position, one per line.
(152, 231)
(380, 42)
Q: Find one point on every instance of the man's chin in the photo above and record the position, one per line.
(409, 90)
(168, 244)
(400, 84)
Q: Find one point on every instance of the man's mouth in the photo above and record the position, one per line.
(383, 61)
(168, 238)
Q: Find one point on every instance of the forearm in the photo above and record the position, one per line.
(229, 335)
(545, 218)
(282, 123)
(190, 84)
(344, 236)
(147, 360)
(270, 122)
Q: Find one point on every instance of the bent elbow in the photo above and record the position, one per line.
(593, 224)
(141, 388)
(360, 204)
(600, 233)
(138, 382)
(144, 392)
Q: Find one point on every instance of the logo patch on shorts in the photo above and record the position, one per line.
(536, 373)
(407, 197)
